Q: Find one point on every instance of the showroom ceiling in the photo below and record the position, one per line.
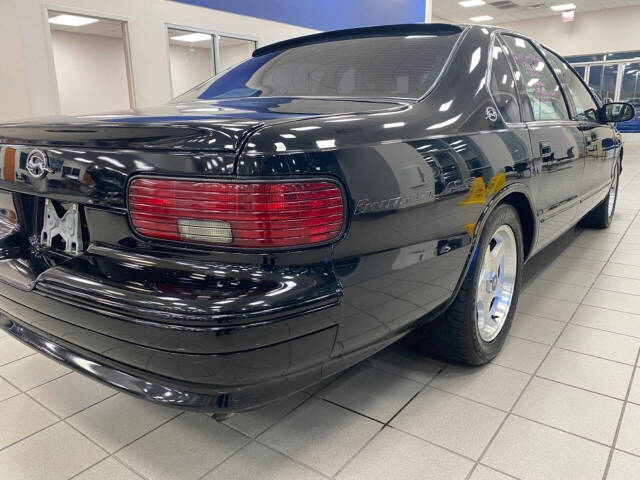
(514, 10)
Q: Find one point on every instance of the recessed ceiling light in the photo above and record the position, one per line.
(564, 6)
(471, 3)
(481, 18)
(72, 20)
(192, 37)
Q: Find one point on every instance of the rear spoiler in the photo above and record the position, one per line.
(363, 32)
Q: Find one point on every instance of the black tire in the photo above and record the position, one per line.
(602, 215)
(455, 335)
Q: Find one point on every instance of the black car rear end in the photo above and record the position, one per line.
(172, 321)
(187, 255)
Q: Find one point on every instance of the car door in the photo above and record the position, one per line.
(599, 136)
(557, 141)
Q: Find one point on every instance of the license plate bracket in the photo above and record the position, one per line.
(66, 227)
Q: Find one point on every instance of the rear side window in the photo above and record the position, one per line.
(390, 66)
(586, 108)
(543, 91)
(503, 86)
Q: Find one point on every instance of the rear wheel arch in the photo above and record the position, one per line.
(520, 201)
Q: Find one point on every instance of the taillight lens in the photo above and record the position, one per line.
(267, 214)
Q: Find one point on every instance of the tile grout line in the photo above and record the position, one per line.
(387, 424)
(622, 412)
(255, 439)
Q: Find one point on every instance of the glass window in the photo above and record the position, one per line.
(503, 86)
(586, 108)
(602, 78)
(581, 70)
(91, 64)
(543, 91)
(630, 91)
(390, 66)
(233, 51)
(191, 59)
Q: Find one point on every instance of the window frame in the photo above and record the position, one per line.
(536, 47)
(496, 41)
(574, 111)
(215, 34)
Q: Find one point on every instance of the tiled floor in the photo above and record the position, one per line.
(562, 400)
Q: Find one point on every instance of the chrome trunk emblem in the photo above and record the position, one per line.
(38, 164)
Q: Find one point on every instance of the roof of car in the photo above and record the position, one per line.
(364, 32)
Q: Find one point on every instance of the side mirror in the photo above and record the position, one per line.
(618, 112)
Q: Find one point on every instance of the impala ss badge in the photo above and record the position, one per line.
(38, 164)
(366, 205)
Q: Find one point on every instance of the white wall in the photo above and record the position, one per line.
(91, 72)
(30, 89)
(610, 30)
(189, 67)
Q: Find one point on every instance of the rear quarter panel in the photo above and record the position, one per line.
(419, 178)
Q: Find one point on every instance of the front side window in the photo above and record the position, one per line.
(503, 86)
(390, 66)
(586, 108)
(543, 91)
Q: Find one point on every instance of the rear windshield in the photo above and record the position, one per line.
(390, 66)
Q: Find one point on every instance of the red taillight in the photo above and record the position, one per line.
(284, 214)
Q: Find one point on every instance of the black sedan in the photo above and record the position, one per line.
(301, 211)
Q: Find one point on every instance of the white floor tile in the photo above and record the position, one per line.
(254, 422)
(7, 390)
(450, 421)
(371, 392)
(257, 462)
(71, 393)
(393, 454)
(537, 329)
(614, 284)
(407, 363)
(634, 393)
(11, 350)
(568, 408)
(119, 420)
(321, 435)
(629, 435)
(57, 453)
(583, 371)
(187, 448)
(32, 371)
(622, 271)
(622, 302)
(485, 473)
(609, 320)
(20, 417)
(623, 466)
(566, 275)
(612, 346)
(531, 451)
(492, 384)
(521, 354)
(546, 307)
(557, 290)
(108, 469)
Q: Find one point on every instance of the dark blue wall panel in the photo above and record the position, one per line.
(324, 14)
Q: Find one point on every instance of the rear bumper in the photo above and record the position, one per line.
(227, 381)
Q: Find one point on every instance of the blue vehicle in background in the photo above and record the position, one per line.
(633, 125)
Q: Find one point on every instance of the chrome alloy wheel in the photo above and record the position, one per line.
(613, 192)
(496, 283)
